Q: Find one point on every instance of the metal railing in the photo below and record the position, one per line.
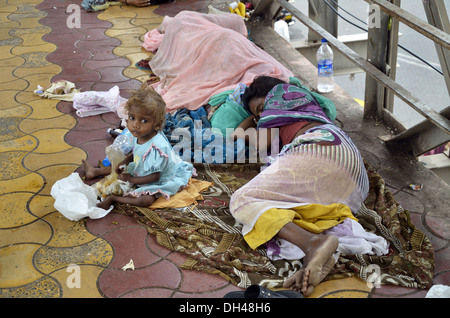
(427, 135)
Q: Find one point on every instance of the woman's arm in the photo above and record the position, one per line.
(261, 139)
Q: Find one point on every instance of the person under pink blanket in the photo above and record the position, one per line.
(200, 55)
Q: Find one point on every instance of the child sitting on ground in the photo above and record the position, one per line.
(152, 167)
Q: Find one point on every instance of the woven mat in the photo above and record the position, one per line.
(209, 236)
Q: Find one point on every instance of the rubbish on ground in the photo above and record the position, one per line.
(60, 90)
(438, 291)
(416, 187)
(130, 265)
(238, 8)
(76, 200)
(94, 103)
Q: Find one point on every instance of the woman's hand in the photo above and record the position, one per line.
(242, 132)
(260, 139)
(249, 122)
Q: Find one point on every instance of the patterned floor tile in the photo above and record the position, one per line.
(41, 205)
(219, 293)
(34, 239)
(16, 202)
(11, 164)
(7, 76)
(30, 126)
(48, 259)
(67, 233)
(198, 282)
(350, 287)
(52, 140)
(8, 95)
(37, 231)
(17, 266)
(31, 182)
(124, 251)
(45, 287)
(78, 282)
(149, 293)
(34, 55)
(115, 283)
(18, 143)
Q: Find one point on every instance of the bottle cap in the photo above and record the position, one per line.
(106, 162)
(324, 40)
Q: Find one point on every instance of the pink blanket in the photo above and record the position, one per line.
(200, 55)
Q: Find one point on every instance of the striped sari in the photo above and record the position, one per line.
(316, 182)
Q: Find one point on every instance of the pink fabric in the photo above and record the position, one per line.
(152, 40)
(202, 55)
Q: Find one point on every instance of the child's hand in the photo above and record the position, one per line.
(125, 177)
(120, 169)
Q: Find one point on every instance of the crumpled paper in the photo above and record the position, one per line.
(130, 265)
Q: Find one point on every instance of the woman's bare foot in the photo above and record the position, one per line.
(295, 282)
(318, 262)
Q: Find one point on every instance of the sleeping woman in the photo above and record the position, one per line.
(317, 180)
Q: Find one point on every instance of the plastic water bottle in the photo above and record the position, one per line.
(324, 55)
(124, 142)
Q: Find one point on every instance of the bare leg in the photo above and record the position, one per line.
(143, 201)
(93, 172)
(318, 262)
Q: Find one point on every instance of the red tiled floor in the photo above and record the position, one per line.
(389, 291)
(138, 251)
(115, 283)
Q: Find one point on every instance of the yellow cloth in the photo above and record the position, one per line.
(185, 197)
(314, 218)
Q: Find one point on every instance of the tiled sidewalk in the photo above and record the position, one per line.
(43, 140)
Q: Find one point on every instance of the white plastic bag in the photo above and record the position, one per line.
(438, 291)
(76, 200)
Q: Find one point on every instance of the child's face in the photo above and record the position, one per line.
(141, 124)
